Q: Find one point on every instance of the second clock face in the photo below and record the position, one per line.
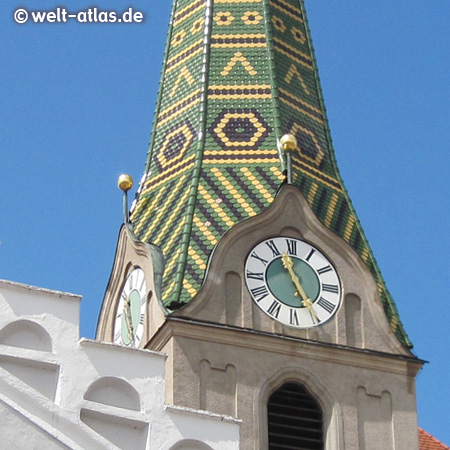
(292, 282)
(130, 315)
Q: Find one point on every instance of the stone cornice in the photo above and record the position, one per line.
(257, 340)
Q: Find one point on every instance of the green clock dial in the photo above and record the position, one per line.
(281, 287)
(292, 282)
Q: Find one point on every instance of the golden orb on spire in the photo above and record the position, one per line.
(125, 182)
(288, 142)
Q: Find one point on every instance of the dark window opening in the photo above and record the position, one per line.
(294, 419)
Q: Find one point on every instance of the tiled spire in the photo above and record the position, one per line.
(237, 75)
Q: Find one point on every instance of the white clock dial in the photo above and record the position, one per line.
(130, 314)
(292, 282)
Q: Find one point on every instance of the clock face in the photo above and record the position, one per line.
(130, 315)
(292, 282)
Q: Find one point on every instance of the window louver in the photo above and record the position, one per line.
(294, 419)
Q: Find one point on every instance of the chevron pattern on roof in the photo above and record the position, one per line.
(237, 75)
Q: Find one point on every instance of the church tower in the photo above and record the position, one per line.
(243, 259)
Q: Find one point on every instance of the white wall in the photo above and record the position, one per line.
(57, 391)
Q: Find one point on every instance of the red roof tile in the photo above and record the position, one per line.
(428, 442)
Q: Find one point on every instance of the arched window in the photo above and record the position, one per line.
(294, 419)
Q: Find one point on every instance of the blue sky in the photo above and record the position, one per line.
(77, 108)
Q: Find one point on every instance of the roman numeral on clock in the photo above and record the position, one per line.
(324, 270)
(274, 309)
(255, 255)
(259, 293)
(326, 305)
(293, 318)
(311, 253)
(291, 247)
(273, 247)
(255, 276)
(330, 288)
(141, 285)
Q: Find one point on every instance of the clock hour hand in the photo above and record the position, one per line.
(288, 264)
(128, 320)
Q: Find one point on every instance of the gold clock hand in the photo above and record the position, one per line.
(288, 264)
(307, 302)
(128, 320)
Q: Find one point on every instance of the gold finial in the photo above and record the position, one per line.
(288, 142)
(125, 182)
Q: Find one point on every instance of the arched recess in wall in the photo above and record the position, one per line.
(113, 391)
(218, 388)
(353, 321)
(233, 298)
(333, 431)
(33, 369)
(291, 232)
(26, 334)
(190, 444)
(375, 419)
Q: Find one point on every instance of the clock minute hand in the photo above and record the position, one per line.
(307, 303)
(289, 265)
